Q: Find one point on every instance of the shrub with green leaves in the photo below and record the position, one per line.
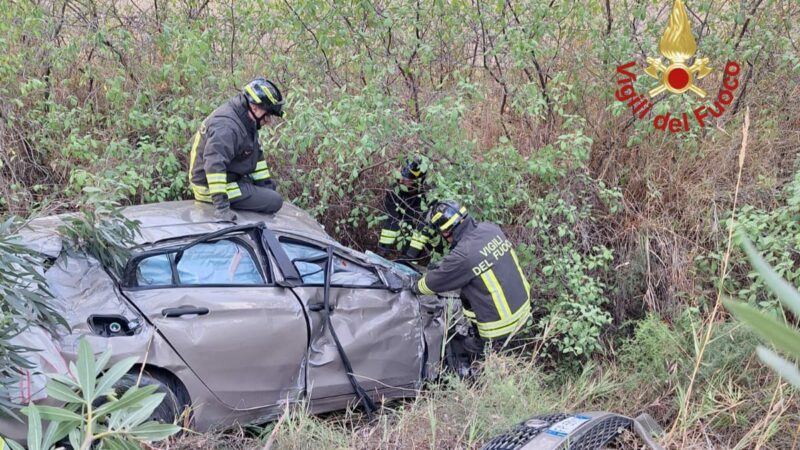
(569, 279)
(100, 230)
(24, 297)
(774, 330)
(116, 424)
(776, 233)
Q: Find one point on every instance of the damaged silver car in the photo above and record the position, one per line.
(237, 321)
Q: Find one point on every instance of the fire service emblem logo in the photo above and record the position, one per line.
(678, 46)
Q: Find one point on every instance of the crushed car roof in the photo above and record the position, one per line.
(169, 220)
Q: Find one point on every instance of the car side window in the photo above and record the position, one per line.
(221, 262)
(155, 270)
(348, 273)
(310, 262)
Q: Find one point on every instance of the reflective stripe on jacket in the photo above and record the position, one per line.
(401, 205)
(225, 150)
(404, 206)
(483, 264)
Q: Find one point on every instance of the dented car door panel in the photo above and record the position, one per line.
(381, 334)
(381, 331)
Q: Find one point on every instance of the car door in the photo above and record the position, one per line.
(216, 304)
(380, 330)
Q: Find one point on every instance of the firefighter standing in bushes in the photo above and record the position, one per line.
(482, 263)
(227, 166)
(403, 204)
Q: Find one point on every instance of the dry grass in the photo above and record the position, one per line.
(676, 194)
(732, 412)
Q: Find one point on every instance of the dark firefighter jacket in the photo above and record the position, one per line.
(224, 151)
(483, 264)
(404, 206)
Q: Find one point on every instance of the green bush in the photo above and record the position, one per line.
(24, 302)
(776, 232)
(118, 423)
(650, 352)
(779, 333)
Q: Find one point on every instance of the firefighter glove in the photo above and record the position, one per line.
(412, 253)
(222, 207)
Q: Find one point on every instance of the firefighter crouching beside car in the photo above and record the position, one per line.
(227, 166)
(403, 205)
(482, 263)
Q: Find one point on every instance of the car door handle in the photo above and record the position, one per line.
(184, 311)
(317, 307)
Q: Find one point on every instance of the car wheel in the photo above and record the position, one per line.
(458, 358)
(175, 398)
(169, 409)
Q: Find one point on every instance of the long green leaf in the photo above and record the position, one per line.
(75, 438)
(131, 398)
(65, 380)
(34, 427)
(781, 336)
(154, 431)
(56, 432)
(785, 292)
(786, 369)
(118, 444)
(62, 392)
(14, 446)
(143, 411)
(121, 444)
(101, 362)
(55, 414)
(86, 369)
(114, 374)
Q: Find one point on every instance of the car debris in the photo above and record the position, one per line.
(582, 431)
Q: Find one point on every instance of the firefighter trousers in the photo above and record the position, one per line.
(257, 198)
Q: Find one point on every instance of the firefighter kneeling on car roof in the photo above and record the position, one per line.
(482, 263)
(227, 166)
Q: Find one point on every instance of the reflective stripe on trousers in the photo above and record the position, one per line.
(203, 193)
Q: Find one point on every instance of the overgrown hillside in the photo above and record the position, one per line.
(622, 229)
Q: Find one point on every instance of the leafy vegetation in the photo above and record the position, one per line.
(24, 302)
(777, 332)
(99, 230)
(111, 423)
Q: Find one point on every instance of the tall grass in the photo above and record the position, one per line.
(737, 403)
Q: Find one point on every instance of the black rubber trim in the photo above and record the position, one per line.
(290, 273)
(365, 400)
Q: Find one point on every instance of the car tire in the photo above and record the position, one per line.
(175, 398)
(169, 409)
(458, 359)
